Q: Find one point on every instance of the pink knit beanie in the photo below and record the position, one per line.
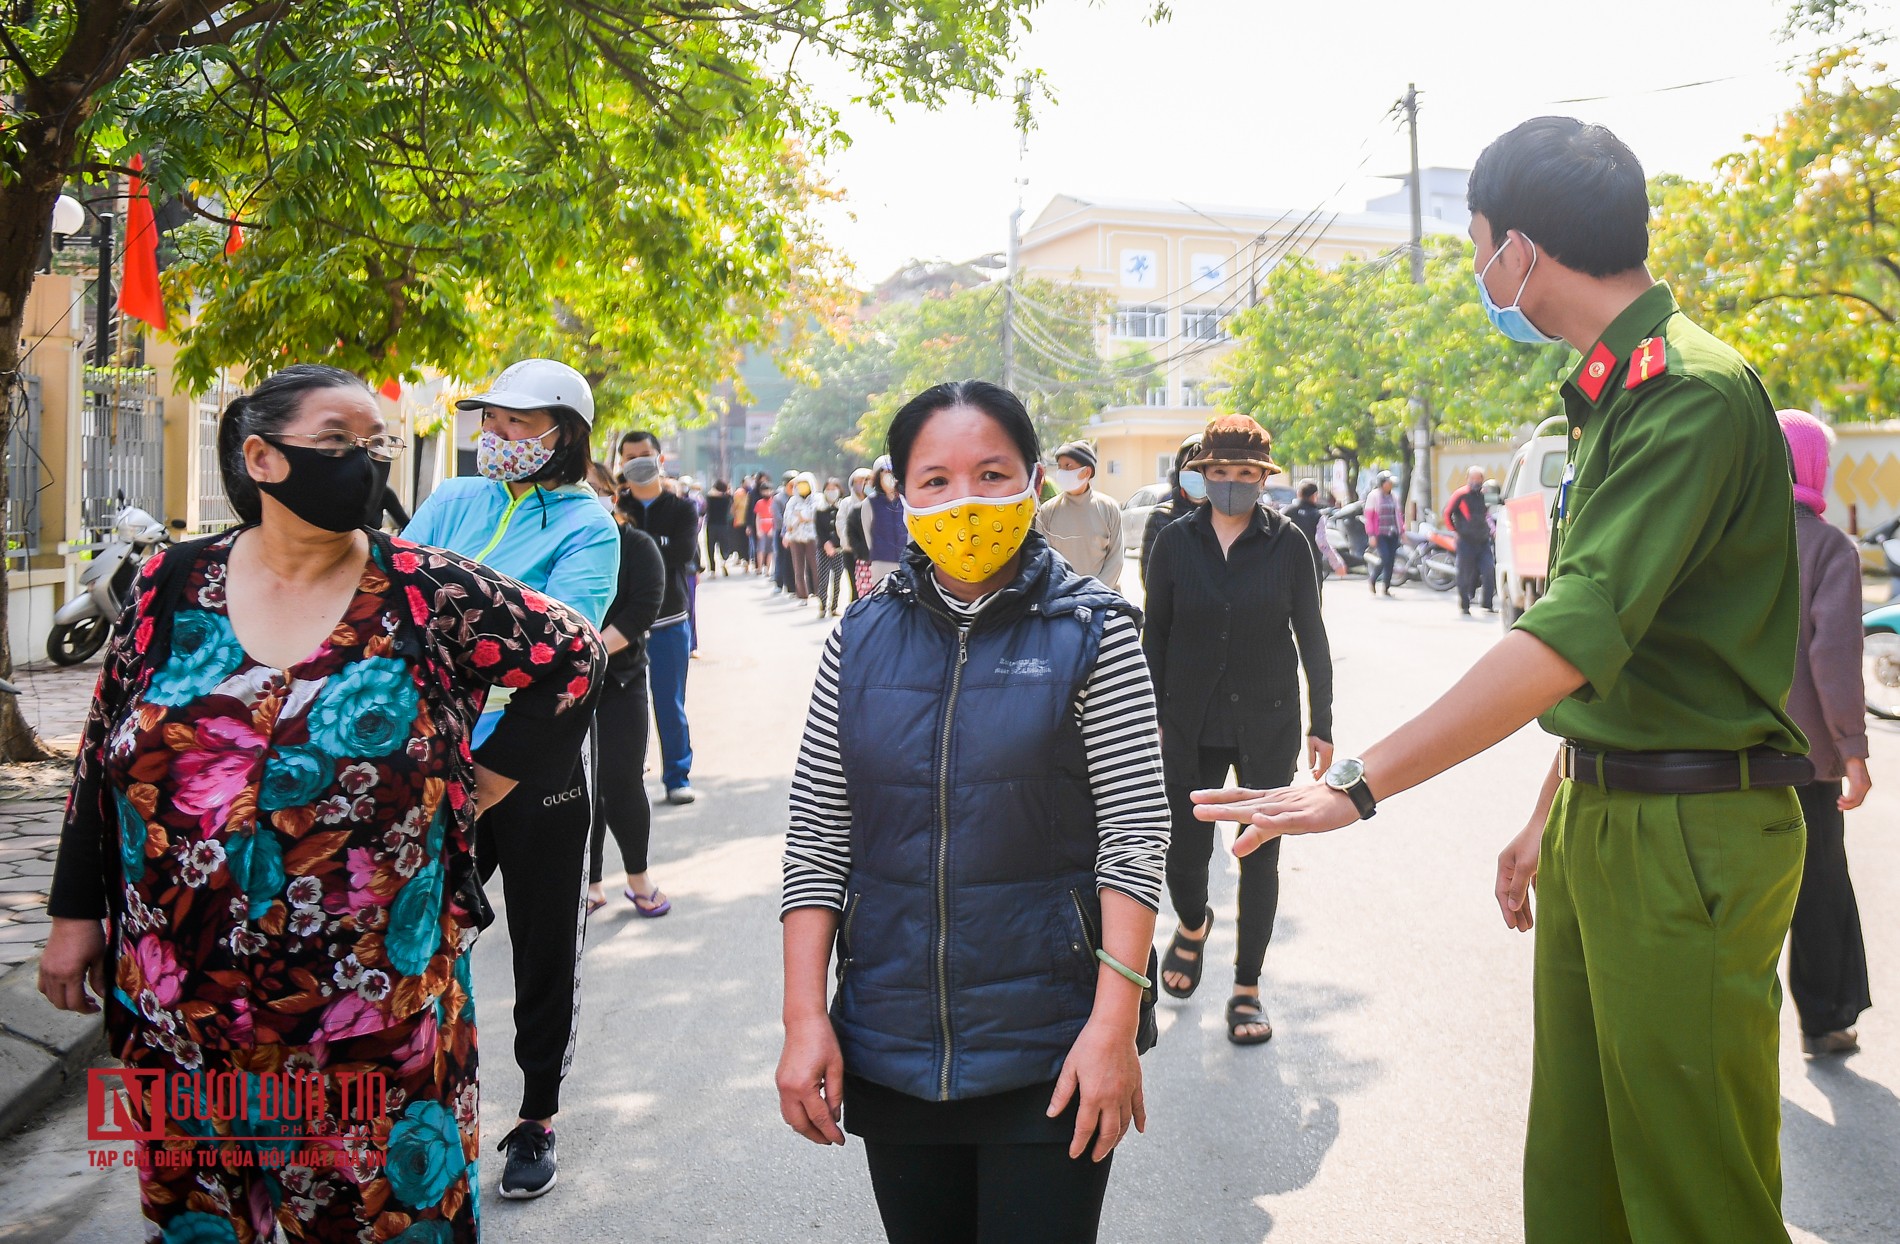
(1808, 442)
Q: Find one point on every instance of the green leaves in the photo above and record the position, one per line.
(623, 184)
(1332, 357)
(1791, 252)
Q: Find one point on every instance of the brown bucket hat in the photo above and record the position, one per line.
(1235, 440)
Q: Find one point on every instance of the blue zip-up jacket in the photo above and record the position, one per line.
(966, 949)
(558, 541)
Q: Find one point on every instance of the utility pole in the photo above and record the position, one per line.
(1420, 485)
(102, 337)
(1015, 237)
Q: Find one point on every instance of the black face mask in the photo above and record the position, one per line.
(330, 493)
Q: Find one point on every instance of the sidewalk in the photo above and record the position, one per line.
(40, 1048)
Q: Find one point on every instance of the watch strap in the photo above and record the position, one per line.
(1361, 796)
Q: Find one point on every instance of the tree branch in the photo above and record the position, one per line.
(19, 58)
(217, 36)
(1845, 294)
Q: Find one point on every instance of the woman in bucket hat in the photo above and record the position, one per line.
(1233, 616)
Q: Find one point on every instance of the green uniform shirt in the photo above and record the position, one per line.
(1673, 573)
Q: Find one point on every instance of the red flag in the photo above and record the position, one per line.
(392, 389)
(234, 240)
(138, 293)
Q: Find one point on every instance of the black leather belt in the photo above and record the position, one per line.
(1683, 773)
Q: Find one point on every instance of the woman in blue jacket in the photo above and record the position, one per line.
(529, 515)
(978, 827)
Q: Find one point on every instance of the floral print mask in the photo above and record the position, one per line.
(506, 461)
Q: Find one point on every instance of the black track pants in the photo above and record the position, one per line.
(537, 838)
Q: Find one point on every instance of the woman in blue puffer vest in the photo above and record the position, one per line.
(979, 828)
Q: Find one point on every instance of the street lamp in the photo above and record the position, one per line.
(68, 216)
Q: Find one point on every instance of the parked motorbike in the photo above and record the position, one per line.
(1434, 556)
(82, 623)
(1880, 661)
(1345, 530)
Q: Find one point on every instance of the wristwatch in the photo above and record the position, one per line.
(1348, 777)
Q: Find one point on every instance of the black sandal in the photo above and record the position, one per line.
(1245, 1011)
(1190, 968)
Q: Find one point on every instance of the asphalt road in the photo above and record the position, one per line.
(1389, 1106)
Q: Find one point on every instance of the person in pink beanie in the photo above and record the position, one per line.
(1827, 958)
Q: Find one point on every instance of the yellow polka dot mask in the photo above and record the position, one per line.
(973, 538)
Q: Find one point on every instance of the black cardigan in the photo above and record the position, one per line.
(638, 593)
(1233, 621)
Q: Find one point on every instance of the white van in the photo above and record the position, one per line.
(1529, 492)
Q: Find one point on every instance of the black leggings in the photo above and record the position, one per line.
(537, 837)
(620, 734)
(1827, 957)
(1191, 847)
(986, 1194)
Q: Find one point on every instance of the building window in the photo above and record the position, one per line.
(1114, 467)
(1202, 324)
(1141, 322)
(1194, 394)
(1157, 395)
(1164, 463)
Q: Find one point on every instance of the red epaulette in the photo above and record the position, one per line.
(1650, 361)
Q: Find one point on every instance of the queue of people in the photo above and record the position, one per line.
(314, 744)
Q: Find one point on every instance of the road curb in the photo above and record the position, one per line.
(42, 1051)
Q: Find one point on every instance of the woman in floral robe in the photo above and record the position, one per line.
(281, 856)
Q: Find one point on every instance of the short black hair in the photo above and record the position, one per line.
(1573, 189)
(992, 399)
(572, 452)
(1309, 489)
(634, 438)
(265, 411)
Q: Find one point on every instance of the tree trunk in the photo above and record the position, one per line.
(51, 111)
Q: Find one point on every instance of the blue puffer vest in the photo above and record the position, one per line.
(966, 950)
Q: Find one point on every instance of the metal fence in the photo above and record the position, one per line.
(24, 469)
(214, 509)
(122, 450)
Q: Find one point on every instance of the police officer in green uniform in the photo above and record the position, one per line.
(1667, 841)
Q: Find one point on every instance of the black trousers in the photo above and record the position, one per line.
(537, 837)
(782, 565)
(1477, 566)
(620, 788)
(987, 1194)
(834, 579)
(1827, 960)
(1191, 848)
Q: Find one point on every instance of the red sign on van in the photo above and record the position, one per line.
(1530, 536)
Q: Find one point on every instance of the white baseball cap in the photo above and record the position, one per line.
(537, 384)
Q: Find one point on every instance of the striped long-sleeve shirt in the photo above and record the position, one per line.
(1119, 734)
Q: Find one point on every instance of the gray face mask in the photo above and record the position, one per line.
(1234, 497)
(642, 470)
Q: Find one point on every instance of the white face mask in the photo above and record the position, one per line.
(1069, 481)
(606, 503)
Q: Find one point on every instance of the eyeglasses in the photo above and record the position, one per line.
(337, 444)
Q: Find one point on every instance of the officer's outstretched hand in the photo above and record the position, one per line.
(1517, 874)
(1267, 814)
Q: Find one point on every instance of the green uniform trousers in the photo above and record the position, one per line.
(1655, 1111)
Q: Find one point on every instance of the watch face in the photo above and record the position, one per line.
(1345, 773)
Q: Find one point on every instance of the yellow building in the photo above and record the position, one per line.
(1177, 272)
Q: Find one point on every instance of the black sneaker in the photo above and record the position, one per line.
(530, 1168)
